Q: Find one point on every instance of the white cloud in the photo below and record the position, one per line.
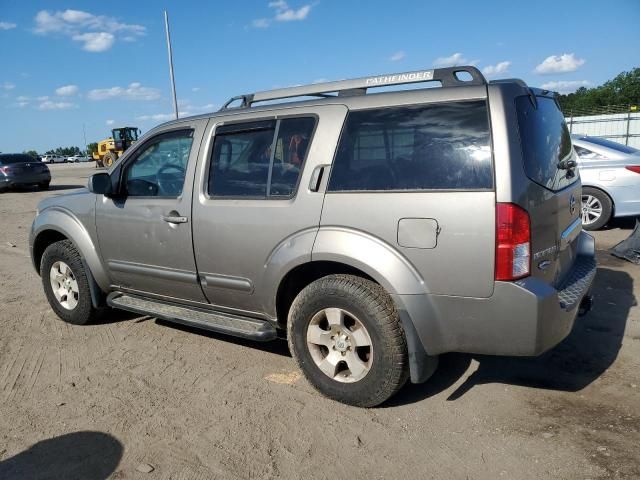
(7, 25)
(261, 23)
(567, 62)
(158, 117)
(565, 86)
(43, 98)
(97, 33)
(135, 91)
(49, 105)
(8, 86)
(452, 61)
(110, 122)
(497, 69)
(195, 89)
(396, 57)
(67, 90)
(283, 13)
(95, 42)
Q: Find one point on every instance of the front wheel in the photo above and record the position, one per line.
(597, 208)
(66, 284)
(345, 334)
(108, 159)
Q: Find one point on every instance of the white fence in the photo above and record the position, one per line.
(621, 127)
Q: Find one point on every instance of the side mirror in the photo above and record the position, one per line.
(100, 183)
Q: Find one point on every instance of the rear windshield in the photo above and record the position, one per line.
(603, 142)
(545, 141)
(442, 146)
(8, 159)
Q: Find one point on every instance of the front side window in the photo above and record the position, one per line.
(425, 147)
(259, 159)
(159, 169)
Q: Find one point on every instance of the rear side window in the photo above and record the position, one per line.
(260, 159)
(545, 141)
(440, 146)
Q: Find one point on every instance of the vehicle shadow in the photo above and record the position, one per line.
(623, 223)
(588, 351)
(52, 188)
(86, 455)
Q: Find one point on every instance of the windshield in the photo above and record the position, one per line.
(603, 142)
(8, 159)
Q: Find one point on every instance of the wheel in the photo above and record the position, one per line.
(108, 159)
(65, 283)
(43, 186)
(345, 334)
(597, 208)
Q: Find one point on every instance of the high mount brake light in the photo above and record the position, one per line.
(513, 242)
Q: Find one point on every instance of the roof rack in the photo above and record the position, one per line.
(448, 77)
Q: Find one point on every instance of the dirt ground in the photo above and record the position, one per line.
(108, 400)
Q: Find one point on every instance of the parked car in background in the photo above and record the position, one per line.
(610, 174)
(53, 159)
(77, 158)
(18, 169)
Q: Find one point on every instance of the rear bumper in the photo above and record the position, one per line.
(523, 318)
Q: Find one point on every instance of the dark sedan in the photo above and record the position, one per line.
(17, 169)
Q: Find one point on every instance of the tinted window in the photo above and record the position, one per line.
(439, 146)
(250, 160)
(609, 144)
(545, 141)
(159, 169)
(8, 159)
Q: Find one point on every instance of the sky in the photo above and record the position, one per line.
(88, 66)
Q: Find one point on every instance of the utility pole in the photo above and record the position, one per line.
(84, 134)
(173, 81)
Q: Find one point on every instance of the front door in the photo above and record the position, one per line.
(258, 200)
(145, 230)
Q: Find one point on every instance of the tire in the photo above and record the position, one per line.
(108, 159)
(43, 186)
(597, 208)
(363, 304)
(65, 253)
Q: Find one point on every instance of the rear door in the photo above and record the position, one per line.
(255, 198)
(554, 197)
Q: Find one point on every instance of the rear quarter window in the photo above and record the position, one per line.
(545, 141)
(442, 146)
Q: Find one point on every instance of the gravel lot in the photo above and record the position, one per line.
(129, 394)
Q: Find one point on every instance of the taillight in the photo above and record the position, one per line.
(513, 242)
(5, 170)
(633, 168)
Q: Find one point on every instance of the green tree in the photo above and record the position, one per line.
(32, 153)
(624, 89)
(91, 148)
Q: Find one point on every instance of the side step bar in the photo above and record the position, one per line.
(244, 327)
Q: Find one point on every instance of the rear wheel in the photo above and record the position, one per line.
(345, 334)
(108, 159)
(597, 208)
(66, 284)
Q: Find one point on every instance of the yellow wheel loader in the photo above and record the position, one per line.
(110, 149)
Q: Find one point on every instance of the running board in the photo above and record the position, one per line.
(244, 327)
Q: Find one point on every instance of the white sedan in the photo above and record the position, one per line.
(77, 158)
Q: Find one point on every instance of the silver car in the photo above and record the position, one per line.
(610, 174)
(373, 230)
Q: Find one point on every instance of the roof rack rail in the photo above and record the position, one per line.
(448, 77)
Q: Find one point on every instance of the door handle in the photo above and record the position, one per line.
(316, 177)
(174, 219)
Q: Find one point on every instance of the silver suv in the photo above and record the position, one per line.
(373, 230)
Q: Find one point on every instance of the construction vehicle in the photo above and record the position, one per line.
(110, 149)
